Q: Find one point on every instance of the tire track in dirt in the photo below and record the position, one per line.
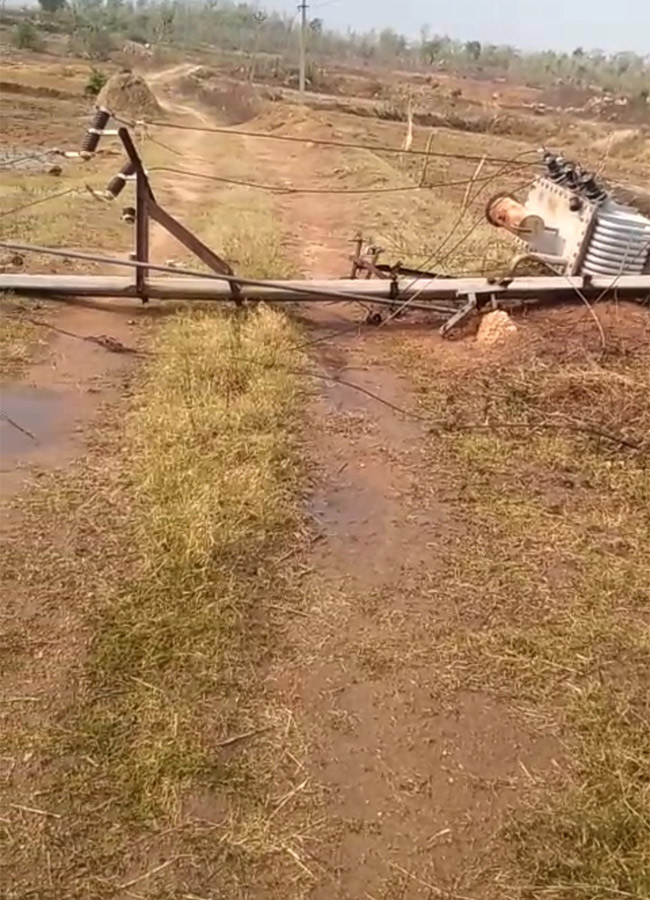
(416, 781)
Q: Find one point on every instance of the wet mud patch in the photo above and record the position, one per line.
(30, 418)
(418, 773)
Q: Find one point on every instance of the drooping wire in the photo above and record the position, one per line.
(507, 164)
(281, 189)
(19, 209)
(317, 142)
(471, 199)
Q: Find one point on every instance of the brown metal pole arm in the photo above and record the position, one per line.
(134, 156)
(196, 246)
(143, 198)
(358, 247)
(151, 209)
(460, 315)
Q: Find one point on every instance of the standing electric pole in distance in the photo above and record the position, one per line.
(303, 39)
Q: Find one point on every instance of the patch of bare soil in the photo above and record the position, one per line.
(29, 120)
(417, 778)
(232, 102)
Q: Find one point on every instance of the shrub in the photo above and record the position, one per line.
(96, 81)
(26, 37)
(92, 42)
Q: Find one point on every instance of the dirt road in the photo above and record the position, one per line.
(416, 778)
(407, 765)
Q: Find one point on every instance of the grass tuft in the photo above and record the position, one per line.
(205, 509)
(17, 338)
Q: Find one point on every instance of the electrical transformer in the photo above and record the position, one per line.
(571, 221)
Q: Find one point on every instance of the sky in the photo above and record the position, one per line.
(610, 25)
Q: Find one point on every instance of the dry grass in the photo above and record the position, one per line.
(140, 716)
(550, 579)
(45, 215)
(17, 337)
(156, 606)
(442, 228)
(237, 221)
(253, 245)
(184, 520)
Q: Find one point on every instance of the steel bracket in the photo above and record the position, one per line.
(460, 315)
(147, 208)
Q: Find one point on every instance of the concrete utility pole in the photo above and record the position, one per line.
(302, 7)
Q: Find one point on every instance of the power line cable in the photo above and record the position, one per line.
(322, 142)
(293, 190)
(19, 209)
(427, 261)
(280, 189)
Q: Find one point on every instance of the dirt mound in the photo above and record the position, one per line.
(234, 102)
(285, 117)
(495, 328)
(637, 197)
(129, 94)
(521, 126)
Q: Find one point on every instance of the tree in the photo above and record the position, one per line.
(97, 42)
(166, 15)
(51, 6)
(390, 43)
(473, 50)
(26, 37)
(231, 25)
(433, 48)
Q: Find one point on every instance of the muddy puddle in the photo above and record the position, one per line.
(30, 420)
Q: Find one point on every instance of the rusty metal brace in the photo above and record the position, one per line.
(460, 315)
(367, 260)
(356, 257)
(147, 208)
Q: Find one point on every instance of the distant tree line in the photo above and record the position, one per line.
(230, 26)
